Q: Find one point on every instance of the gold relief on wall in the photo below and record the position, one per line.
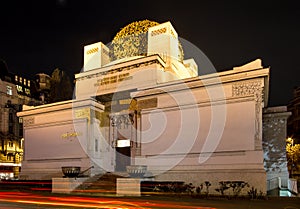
(69, 135)
(83, 113)
(147, 103)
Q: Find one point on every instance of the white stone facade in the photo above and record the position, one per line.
(95, 56)
(212, 125)
(182, 126)
(60, 134)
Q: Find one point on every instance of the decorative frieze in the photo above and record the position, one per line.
(252, 88)
(120, 69)
(121, 120)
(246, 88)
(83, 113)
(113, 79)
(28, 121)
(159, 31)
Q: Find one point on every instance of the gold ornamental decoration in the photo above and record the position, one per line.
(132, 40)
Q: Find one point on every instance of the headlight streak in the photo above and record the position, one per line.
(90, 202)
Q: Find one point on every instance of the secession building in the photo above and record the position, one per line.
(139, 102)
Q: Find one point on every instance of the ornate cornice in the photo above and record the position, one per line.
(246, 88)
(122, 69)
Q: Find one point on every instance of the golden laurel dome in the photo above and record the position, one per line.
(132, 40)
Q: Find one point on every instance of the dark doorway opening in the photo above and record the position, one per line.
(122, 158)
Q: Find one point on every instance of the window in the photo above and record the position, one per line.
(10, 129)
(27, 91)
(96, 145)
(10, 117)
(20, 144)
(28, 83)
(9, 90)
(10, 157)
(10, 144)
(16, 78)
(19, 88)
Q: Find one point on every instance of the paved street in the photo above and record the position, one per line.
(16, 199)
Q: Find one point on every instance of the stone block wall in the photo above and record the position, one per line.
(274, 143)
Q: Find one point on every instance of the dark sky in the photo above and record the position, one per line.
(39, 36)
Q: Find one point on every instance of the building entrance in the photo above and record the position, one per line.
(123, 155)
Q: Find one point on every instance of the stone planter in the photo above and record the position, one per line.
(136, 171)
(70, 171)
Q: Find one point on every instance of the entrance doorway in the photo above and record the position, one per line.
(123, 154)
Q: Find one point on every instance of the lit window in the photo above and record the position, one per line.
(9, 158)
(28, 83)
(20, 120)
(27, 91)
(24, 81)
(16, 78)
(9, 90)
(21, 80)
(10, 144)
(123, 143)
(19, 88)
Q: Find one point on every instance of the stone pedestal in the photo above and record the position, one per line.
(66, 185)
(292, 186)
(128, 187)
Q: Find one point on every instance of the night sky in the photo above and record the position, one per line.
(39, 36)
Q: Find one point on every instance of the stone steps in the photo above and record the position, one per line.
(101, 183)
